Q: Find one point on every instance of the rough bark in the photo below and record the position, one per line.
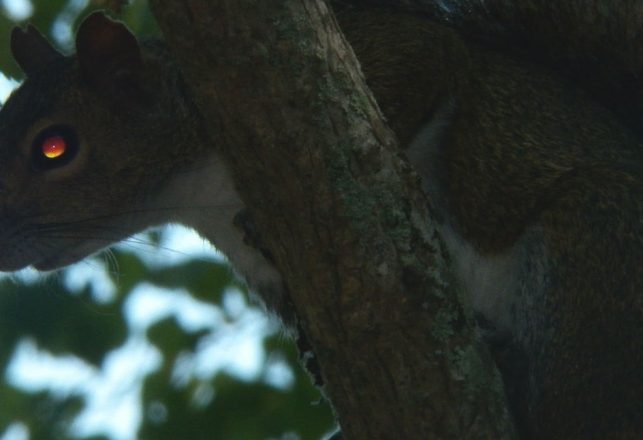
(342, 215)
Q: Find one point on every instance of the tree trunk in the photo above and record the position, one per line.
(343, 216)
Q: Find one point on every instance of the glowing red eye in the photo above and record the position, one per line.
(54, 146)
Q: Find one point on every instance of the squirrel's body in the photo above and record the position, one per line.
(538, 190)
(540, 193)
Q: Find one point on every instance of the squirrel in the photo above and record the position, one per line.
(537, 186)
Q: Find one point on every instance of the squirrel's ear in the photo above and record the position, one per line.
(31, 50)
(106, 49)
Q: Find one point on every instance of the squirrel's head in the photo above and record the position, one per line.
(79, 146)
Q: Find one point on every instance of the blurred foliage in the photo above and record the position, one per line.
(73, 323)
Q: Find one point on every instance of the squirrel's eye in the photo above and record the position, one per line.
(54, 147)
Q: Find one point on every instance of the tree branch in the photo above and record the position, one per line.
(342, 214)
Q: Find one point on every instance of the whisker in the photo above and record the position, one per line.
(90, 263)
(134, 243)
(152, 247)
(130, 212)
(112, 263)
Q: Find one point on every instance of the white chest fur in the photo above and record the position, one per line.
(493, 284)
(205, 199)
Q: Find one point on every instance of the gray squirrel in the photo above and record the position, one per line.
(538, 187)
